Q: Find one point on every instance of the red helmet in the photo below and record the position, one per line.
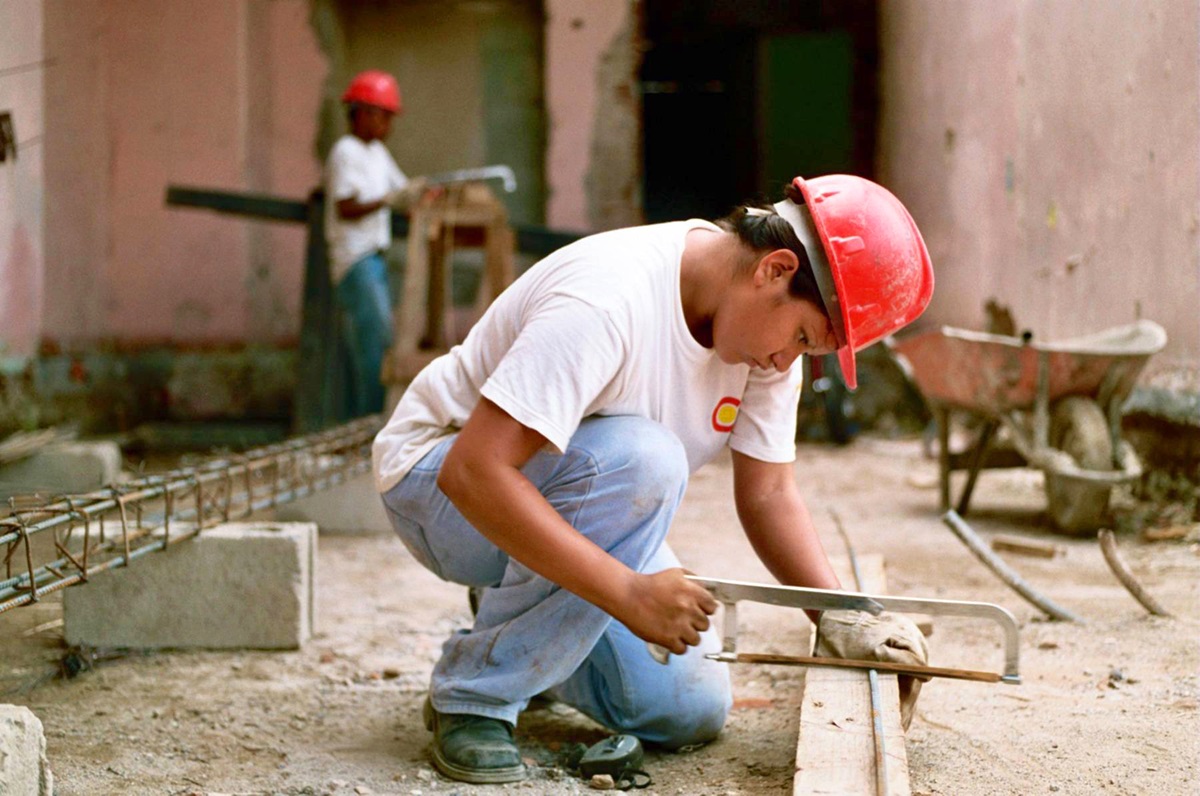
(872, 266)
(373, 87)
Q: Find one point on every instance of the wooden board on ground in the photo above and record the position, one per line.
(835, 753)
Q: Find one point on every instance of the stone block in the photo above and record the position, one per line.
(24, 770)
(352, 507)
(238, 585)
(63, 468)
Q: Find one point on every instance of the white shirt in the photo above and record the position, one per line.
(366, 171)
(597, 328)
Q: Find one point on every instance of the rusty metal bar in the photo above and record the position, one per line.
(1108, 546)
(220, 489)
(1007, 574)
(881, 772)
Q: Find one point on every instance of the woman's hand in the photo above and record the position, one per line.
(667, 609)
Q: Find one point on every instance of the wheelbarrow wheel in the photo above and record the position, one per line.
(1079, 428)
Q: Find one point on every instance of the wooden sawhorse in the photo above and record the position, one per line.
(427, 325)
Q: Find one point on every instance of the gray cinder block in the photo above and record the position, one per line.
(24, 770)
(63, 468)
(350, 508)
(238, 585)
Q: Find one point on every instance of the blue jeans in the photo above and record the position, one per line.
(366, 320)
(619, 484)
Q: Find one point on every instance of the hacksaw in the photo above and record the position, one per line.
(730, 592)
(497, 172)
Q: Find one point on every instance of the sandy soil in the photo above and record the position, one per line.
(1107, 707)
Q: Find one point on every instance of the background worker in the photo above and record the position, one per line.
(362, 185)
(544, 458)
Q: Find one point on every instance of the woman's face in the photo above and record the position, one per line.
(761, 325)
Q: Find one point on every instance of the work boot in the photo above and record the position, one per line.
(471, 748)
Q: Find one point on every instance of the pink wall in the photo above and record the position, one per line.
(144, 94)
(579, 35)
(226, 94)
(1050, 152)
(22, 72)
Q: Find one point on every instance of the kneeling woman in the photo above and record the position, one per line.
(543, 459)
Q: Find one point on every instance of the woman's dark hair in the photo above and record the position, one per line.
(764, 230)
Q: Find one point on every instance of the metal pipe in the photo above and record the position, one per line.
(1009, 576)
(881, 772)
(1108, 546)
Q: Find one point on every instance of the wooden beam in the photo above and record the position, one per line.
(1025, 547)
(836, 751)
(530, 238)
(239, 203)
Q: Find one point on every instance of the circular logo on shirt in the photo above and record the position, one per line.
(725, 413)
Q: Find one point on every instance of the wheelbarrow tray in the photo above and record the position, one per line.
(996, 374)
(1016, 384)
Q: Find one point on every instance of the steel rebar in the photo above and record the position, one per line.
(142, 511)
(1108, 546)
(1003, 571)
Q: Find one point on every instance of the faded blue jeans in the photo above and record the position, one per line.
(366, 318)
(619, 483)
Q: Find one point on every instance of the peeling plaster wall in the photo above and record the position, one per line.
(1050, 152)
(143, 94)
(22, 74)
(593, 157)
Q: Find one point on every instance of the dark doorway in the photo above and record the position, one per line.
(742, 95)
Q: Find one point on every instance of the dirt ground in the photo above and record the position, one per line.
(1107, 707)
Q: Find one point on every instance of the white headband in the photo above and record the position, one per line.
(800, 220)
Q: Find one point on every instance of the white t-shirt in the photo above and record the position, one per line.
(367, 172)
(597, 328)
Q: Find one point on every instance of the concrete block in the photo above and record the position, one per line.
(353, 507)
(24, 770)
(238, 585)
(63, 468)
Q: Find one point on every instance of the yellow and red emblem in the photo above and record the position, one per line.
(725, 413)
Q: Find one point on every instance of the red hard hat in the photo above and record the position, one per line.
(872, 266)
(373, 87)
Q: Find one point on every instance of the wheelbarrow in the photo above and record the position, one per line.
(1059, 402)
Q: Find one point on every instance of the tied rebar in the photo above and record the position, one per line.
(80, 535)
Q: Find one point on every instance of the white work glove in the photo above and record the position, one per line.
(893, 638)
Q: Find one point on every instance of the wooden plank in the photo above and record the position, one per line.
(1026, 547)
(530, 238)
(835, 753)
(260, 206)
(320, 381)
(540, 241)
(412, 314)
